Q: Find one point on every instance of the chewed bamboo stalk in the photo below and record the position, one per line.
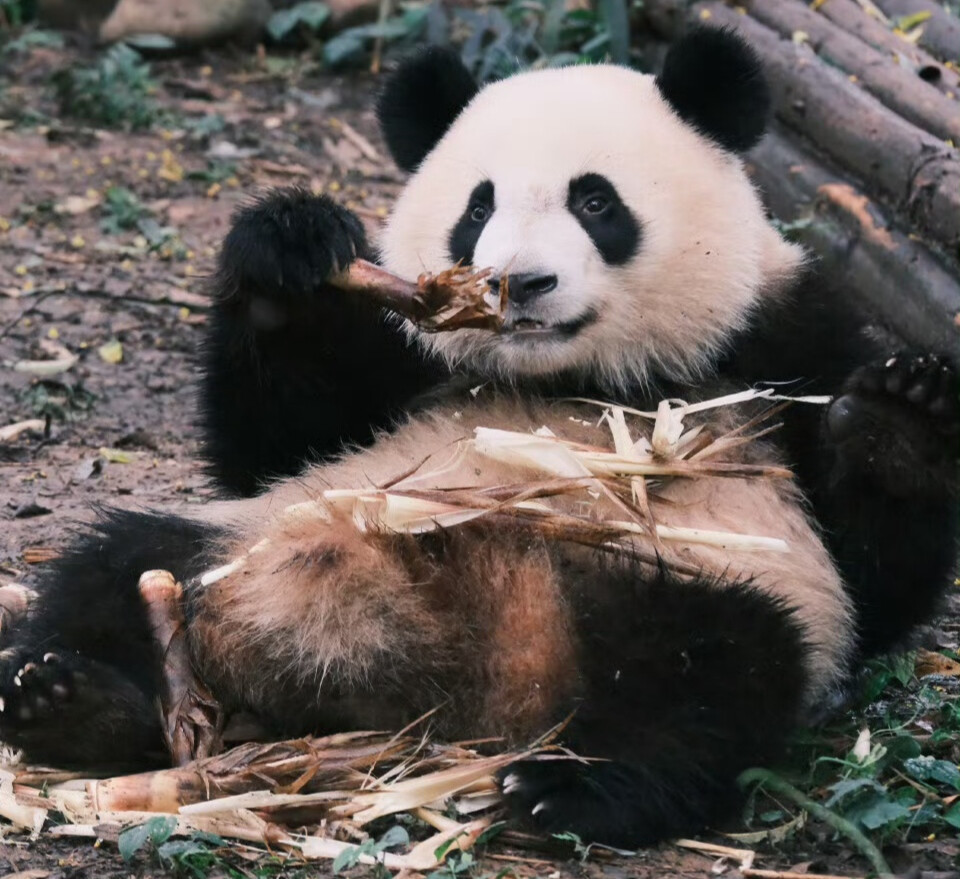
(281, 794)
(457, 298)
(558, 457)
(191, 717)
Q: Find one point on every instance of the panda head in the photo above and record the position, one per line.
(614, 204)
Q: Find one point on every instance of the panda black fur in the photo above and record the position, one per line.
(641, 266)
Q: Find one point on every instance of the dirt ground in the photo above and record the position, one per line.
(126, 319)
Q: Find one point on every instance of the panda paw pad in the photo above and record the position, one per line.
(898, 416)
(35, 687)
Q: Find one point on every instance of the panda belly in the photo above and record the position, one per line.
(327, 626)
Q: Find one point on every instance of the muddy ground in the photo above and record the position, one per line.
(124, 311)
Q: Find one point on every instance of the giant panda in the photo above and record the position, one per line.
(640, 266)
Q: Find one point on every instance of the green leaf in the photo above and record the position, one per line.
(875, 685)
(952, 815)
(157, 831)
(902, 667)
(908, 22)
(843, 789)
(342, 47)
(178, 848)
(927, 768)
(880, 813)
(209, 838)
(348, 858)
(396, 835)
(283, 23)
(901, 748)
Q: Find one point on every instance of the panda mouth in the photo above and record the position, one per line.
(530, 328)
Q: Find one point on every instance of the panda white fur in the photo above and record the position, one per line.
(641, 266)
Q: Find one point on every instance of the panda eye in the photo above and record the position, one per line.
(479, 213)
(595, 204)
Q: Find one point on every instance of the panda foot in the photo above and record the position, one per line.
(67, 710)
(34, 688)
(899, 422)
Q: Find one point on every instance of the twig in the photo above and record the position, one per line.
(192, 719)
(386, 7)
(40, 297)
(774, 782)
(744, 856)
(750, 873)
(12, 431)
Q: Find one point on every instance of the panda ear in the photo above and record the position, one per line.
(714, 80)
(419, 102)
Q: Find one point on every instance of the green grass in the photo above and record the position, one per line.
(114, 92)
(886, 769)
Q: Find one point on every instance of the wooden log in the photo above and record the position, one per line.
(894, 278)
(899, 88)
(912, 170)
(849, 15)
(940, 32)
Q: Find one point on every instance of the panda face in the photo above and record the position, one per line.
(630, 244)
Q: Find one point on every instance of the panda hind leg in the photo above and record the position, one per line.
(691, 685)
(78, 680)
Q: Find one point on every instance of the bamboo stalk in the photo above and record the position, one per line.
(451, 300)
(191, 716)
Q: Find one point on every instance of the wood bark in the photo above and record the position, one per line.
(896, 86)
(849, 15)
(860, 165)
(914, 171)
(939, 33)
(896, 279)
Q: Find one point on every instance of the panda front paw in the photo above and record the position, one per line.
(899, 422)
(287, 245)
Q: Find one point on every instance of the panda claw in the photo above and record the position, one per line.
(51, 658)
(540, 807)
(511, 784)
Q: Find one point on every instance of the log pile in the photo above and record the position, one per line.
(861, 164)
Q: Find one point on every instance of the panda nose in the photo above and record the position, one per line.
(524, 287)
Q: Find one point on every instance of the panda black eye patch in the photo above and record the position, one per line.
(466, 234)
(595, 203)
